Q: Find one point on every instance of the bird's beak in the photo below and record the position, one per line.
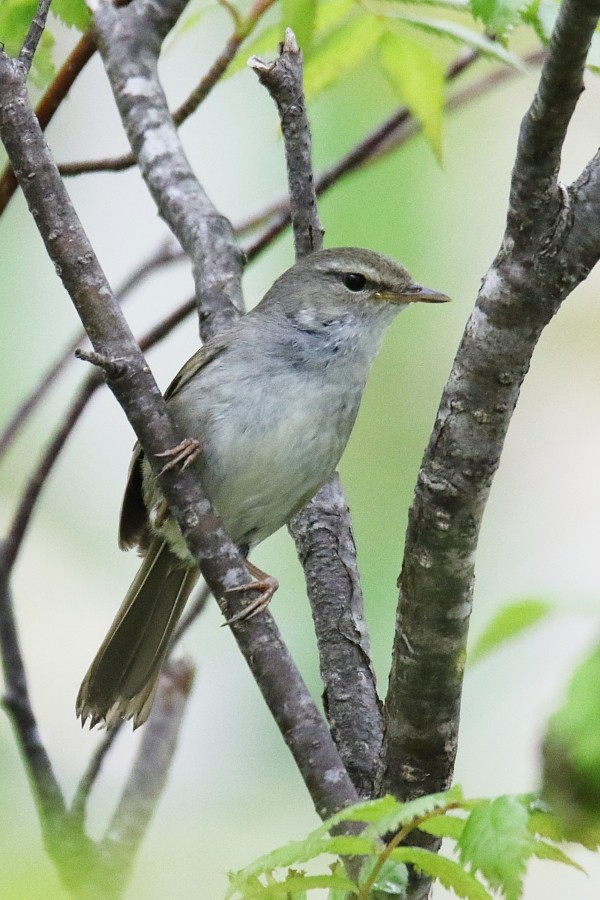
(413, 293)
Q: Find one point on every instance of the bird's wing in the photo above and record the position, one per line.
(133, 522)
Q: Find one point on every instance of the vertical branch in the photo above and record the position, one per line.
(544, 254)
(322, 531)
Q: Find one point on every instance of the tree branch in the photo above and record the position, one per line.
(148, 774)
(129, 40)
(34, 34)
(524, 287)
(322, 531)
(219, 559)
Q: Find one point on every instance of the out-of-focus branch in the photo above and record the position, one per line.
(536, 268)
(322, 531)
(166, 253)
(243, 28)
(16, 701)
(148, 774)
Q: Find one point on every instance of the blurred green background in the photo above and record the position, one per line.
(233, 792)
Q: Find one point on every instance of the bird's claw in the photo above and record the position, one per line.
(183, 453)
(266, 584)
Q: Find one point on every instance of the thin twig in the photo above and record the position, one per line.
(243, 28)
(149, 771)
(17, 702)
(50, 102)
(33, 36)
(322, 532)
(90, 775)
(37, 481)
(166, 253)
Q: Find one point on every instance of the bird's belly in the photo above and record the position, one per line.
(259, 476)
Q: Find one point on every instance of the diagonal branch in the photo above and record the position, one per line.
(129, 40)
(536, 268)
(219, 559)
(322, 531)
(33, 36)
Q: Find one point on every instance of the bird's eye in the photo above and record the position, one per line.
(354, 281)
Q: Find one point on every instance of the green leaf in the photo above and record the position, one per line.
(572, 753)
(73, 13)
(497, 842)
(448, 872)
(512, 620)
(339, 52)
(406, 813)
(544, 850)
(419, 79)
(498, 16)
(300, 16)
(15, 19)
(390, 881)
(296, 852)
(458, 5)
(452, 30)
(297, 884)
(444, 826)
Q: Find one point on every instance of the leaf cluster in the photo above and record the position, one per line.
(338, 36)
(489, 841)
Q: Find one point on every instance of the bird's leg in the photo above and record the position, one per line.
(185, 452)
(266, 584)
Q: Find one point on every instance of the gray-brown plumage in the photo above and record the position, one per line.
(271, 403)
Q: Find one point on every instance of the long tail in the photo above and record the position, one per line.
(122, 680)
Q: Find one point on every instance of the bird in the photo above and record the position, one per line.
(266, 408)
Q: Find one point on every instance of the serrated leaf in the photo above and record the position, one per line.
(339, 52)
(296, 852)
(300, 16)
(452, 30)
(73, 13)
(419, 79)
(448, 872)
(405, 813)
(544, 850)
(498, 16)
(508, 623)
(496, 841)
(444, 826)
(296, 885)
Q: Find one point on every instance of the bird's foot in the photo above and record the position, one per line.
(184, 453)
(266, 584)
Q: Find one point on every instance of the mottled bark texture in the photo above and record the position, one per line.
(551, 242)
(322, 531)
